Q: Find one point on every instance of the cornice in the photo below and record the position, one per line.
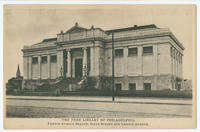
(80, 40)
(38, 48)
(160, 34)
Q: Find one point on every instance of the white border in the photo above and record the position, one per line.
(1, 67)
(197, 2)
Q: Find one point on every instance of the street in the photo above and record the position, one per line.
(59, 107)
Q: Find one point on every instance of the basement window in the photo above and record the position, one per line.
(119, 53)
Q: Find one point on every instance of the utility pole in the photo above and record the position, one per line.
(113, 70)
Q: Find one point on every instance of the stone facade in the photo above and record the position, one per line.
(146, 57)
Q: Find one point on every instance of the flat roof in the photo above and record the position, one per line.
(135, 27)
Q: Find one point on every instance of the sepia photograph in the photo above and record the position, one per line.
(99, 66)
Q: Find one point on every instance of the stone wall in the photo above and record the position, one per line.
(164, 59)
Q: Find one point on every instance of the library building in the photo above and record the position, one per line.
(145, 58)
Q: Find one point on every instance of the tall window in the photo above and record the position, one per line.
(132, 52)
(44, 59)
(53, 58)
(147, 50)
(119, 53)
(35, 60)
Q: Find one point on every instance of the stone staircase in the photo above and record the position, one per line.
(60, 85)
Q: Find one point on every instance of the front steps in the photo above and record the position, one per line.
(56, 86)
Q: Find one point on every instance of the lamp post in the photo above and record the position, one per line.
(113, 70)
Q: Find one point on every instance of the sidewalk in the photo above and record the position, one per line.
(140, 100)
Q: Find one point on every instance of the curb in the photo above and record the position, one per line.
(98, 101)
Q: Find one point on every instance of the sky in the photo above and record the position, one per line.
(30, 24)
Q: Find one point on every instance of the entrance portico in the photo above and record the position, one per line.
(76, 62)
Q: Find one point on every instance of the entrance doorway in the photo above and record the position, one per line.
(78, 68)
(147, 86)
(118, 87)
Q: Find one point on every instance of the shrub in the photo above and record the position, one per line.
(137, 93)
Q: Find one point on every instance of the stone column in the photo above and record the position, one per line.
(178, 64)
(173, 66)
(69, 64)
(155, 67)
(140, 69)
(49, 66)
(84, 62)
(181, 66)
(140, 66)
(39, 67)
(92, 61)
(175, 63)
(30, 67)
(60, 69)
(155, 59)
(125, 65)
(172, 69)
(25, 67)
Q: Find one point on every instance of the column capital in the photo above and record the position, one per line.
(84, 48)
(84, 61)
(60, 49)
(68, 50)
(69, 73)
(39, 64)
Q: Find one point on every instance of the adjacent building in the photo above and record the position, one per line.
(14, 84)
(146, 58)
